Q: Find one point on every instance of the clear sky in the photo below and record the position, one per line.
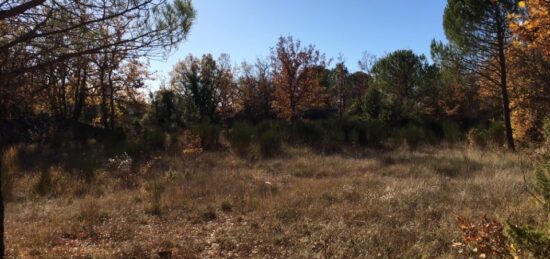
(247, 29)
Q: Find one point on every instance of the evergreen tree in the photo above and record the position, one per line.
(480, 29)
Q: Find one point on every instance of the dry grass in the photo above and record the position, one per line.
(401, 204)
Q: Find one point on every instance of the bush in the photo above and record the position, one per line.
(412, 135)
(354, 131)
(44, 184)
(240, 137)
(375, 132)
(268, 125)
(307, 132)
(154, 137)
(477, 137)
(333, 136)
(209, 134)
(270, 143)
(496, 133)
(528, 238)
(546, 130)
(451, 131)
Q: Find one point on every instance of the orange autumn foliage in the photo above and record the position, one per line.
(529, 60)
(297, 70)
(532, 25)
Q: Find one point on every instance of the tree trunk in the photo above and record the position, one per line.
(80, 95)
(112, 100)
(503, 79)
(103, 106)
(2, 248)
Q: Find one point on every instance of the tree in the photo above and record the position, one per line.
(480, 29)
(226, 88)
(145, 26)
(399, 78)
(340, 88)
(47, 49)
(255, 90)
(296, 71)
(37, 37)
(531, 25)
(457, 92)
(167, 109)
(529, 59)
(196, 80)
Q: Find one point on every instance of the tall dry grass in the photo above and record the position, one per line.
(399, 204)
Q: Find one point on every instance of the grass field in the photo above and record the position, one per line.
(387, 204)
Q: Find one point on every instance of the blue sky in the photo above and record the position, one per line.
(247, 29)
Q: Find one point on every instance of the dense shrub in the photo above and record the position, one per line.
(496, 133)
(307, 132)
(492, 135)
(375, 132)
(412, 134)
(546, 130)
(477, 137)
(270, 142)
(240, 137)
(267, 125)
(451, 131)
(354, 131)
(534, 239)
(154, 137)
(166, 110)
(333, 137)
(209, 134)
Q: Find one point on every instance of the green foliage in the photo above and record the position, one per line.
(491, 135)
(333, 136)
(196, 79)
(270, 142)
(363, 132)
(167, 110)
(154, 138)
(354, 131)
(451, 131)
(469, 23)
(209, 134)
(546, 130)
(240, 137)
(307, 132)
(370, 106)
(399, 77)
(477, 137)
(536, 241)
(375, 132)
(276, 125)
(271, 135)
(496, 133)
(413, 135)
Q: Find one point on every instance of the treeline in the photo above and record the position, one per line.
(80, 61)
(488, 84)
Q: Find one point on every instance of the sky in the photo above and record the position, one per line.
(248, 29)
